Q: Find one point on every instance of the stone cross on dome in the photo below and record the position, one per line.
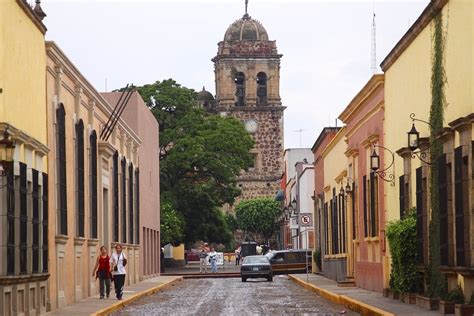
(246, 15)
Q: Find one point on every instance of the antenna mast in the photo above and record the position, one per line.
(374, 46)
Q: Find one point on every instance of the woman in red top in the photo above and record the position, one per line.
(102, 271)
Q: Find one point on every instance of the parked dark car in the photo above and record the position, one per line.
(289, 261)
(256, 267)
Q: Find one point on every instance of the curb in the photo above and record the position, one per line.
(126, 301)
(353, 304)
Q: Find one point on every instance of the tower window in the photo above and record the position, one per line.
(239, 89)
(261, 89)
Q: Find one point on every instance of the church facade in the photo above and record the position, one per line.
(247, 78)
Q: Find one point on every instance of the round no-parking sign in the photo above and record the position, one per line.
(306, 219)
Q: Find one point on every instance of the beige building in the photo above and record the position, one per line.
(92, 183)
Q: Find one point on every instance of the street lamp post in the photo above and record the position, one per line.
(7, 150)
(375, 165)
(414, 141)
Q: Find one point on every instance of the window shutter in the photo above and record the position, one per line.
(93, 183)
(419, 214)
(10, 218)
(80, 178)
(443, 208)
(116, 197)
(124, 200)
(459, 185)
(35, 222)
(364, 189)
(45, 222)
(23, 219)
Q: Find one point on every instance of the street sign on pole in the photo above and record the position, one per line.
(306, 220)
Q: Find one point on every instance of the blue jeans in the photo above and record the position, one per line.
(214, 265)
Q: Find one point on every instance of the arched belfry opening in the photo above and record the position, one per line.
(262, 89)
(239, 89)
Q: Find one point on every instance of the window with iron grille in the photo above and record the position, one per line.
(80, 195)
(116, 197)
(137, 204)
(124, 200)
(93, 183)
(342, 211)
(326, 226)
(45, 222)
(23, 219)
(10, 218)
(335, 223)
(443, 208)
(354, 213)
(419, 215)
(130, 203)
(364, 191)
(402, 195)
(373, 205)
(61, 169)
(36, 222)
(461, 200)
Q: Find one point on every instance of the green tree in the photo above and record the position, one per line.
(231, 222)
(201, 157)
(258, 216)
(171, 224)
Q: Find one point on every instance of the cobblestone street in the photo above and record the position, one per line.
(233, 297)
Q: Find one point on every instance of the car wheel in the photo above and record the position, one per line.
(244, 279)
(270, 279)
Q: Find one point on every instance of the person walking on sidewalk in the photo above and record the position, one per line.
(213, 260)
(203, 258)
(118, 261)
(102, 272)
(237, 255)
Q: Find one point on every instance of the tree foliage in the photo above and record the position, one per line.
(201, 156)
(258, 216)
(171, 224)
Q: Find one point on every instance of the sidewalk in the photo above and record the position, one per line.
(95, 306)
(357, 299)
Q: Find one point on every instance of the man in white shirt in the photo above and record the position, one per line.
(118, 261)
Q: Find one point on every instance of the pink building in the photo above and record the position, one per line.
(364, 117)
(143, 123)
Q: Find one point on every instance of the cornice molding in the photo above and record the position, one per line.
(423, 20)
(24, 138)
(31, 14)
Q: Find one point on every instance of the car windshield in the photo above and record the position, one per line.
(254, 260)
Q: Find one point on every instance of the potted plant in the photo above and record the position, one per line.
(386, 292)
(427, 302)
(456, 296)
(465, 309)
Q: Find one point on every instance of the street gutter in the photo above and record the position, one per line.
(131, 299)
(353, 304)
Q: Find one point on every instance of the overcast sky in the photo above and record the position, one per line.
(326, 46)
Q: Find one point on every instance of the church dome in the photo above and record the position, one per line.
(205, 95)
(246, 29)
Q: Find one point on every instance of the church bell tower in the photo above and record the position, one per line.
(247, 76)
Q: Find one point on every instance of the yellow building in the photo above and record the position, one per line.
(408, 69)
(23, 193)
(336, 248)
